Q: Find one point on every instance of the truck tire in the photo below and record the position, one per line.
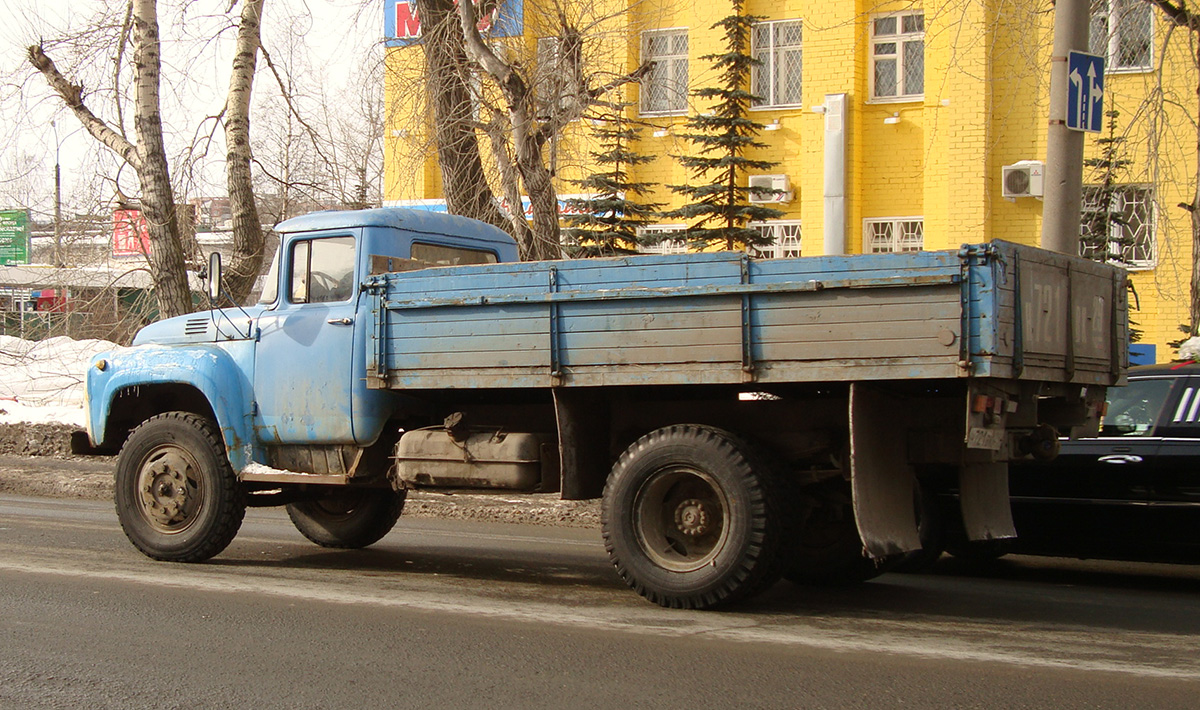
(690, 519)
(827, 550)
(176, 495)
(348, 518)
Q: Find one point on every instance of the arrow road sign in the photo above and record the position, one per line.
(1085, 92)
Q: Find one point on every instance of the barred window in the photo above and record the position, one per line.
(1122, 32)
(1121, 232)
(664, 88)
(665, 246)
(776, 81)
(893, 234)
(784, 236)
(898, 56)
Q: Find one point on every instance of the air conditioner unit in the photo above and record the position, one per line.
(1023, 179)
(774, 188)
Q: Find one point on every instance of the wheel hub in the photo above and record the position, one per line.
(692, 518)
(165, 491)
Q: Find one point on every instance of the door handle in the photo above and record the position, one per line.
(340, 321)
(1120, 458)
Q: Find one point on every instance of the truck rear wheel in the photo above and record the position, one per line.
(828, 549)
(348, 518)
(689, 518)
(176, 495)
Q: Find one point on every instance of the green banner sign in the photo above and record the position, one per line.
(14, 237)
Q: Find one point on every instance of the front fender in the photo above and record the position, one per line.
(217, 371)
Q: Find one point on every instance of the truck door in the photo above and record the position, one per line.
(303, 363)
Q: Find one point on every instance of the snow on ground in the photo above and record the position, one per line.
(42, 381)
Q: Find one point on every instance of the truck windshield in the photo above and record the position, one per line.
(270, 289)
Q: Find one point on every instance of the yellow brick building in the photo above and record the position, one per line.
(937, 98)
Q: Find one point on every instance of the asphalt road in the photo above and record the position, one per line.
(452, 613)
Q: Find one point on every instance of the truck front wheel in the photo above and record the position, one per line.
(348, 518)
(689, 518)
(176, 495)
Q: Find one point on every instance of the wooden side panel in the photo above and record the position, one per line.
(853, 323)
(724, 318)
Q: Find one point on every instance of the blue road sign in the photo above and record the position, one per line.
(1085, 92)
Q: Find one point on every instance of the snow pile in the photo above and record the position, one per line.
(42, 381)
(1190, 350)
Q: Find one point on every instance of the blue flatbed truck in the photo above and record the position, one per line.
(741, 419)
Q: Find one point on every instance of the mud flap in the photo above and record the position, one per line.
(881, 478)
(583, 435)
(983, 495)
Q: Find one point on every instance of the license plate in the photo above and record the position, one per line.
(982, 438)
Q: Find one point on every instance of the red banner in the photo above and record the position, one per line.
(131, 236)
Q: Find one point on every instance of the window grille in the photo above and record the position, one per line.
(666, 246)
(777, 80)
(1130, 239)
(898, 56)
(904, 234)
(664, 88)
(785, 240)
(1122, 32)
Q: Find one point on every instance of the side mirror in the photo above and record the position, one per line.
(214, 276)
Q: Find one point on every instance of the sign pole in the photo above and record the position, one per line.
(1064, 147)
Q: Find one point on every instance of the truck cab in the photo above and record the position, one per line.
(284, 379)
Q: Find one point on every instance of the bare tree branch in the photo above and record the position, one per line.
(72, 96)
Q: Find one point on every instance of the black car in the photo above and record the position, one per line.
(1132, 493)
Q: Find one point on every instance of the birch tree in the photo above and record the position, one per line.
(247, 228)
(147, 157)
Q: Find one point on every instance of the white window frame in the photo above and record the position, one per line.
(1145, 253)
(783, 245)
(900, 38)
(771, 58)
(897, 228)
(672, 66)
(1102, 12)
(666, 246)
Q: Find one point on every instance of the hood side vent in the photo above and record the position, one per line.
(196, 326)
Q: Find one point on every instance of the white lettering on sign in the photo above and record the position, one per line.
(1042, 318)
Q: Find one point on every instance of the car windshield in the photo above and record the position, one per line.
(1133, 409)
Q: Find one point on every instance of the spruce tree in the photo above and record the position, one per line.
(607, 223)
(1096, 240)
(1107, 172)
(718, 197)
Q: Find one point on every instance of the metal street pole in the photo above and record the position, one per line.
(1064, 147)
(58, 261)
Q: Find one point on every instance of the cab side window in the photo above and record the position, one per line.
(322, 270)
